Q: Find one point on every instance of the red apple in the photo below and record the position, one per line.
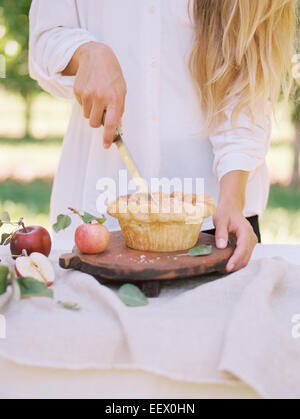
(36, 266)
(32, 239)
(92, 238)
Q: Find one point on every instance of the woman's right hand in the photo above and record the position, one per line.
(99, 86)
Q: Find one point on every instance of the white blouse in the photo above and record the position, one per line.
(152, 40)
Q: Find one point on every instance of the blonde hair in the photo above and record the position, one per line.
(242, 56)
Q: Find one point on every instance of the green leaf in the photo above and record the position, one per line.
(4, 271)
(30, 287)
(89, 218)
(201, 250)
(5, 239)
(69, 305)
(132, 296)
(101, 220)
(63, 222)
(5, 217)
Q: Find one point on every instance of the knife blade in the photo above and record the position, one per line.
(129, 162)
(141, 184)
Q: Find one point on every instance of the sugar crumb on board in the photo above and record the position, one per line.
(142, 259)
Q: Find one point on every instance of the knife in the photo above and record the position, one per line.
(131, 166)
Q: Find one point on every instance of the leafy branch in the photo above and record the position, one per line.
(64, 221)
(6, 220)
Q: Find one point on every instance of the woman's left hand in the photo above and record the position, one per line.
(231, 220)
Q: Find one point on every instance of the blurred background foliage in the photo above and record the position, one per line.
(14, 44)
(33, 123)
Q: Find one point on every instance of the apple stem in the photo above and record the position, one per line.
(21, 223)
(24, 228)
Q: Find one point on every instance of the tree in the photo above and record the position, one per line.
(14, 28)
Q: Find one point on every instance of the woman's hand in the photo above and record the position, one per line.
(229, 219)
(99, 86)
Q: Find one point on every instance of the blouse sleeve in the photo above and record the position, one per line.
(55, 35)
(241, 148)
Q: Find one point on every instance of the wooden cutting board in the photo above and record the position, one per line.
(146, 269)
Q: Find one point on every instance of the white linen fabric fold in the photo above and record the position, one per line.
(238, 327)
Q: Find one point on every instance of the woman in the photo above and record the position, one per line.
(200, 78)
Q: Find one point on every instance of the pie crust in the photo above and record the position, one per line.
(171, 223)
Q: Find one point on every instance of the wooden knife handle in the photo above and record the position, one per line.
(118, 132)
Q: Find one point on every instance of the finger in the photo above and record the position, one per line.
(78, 92)
(243, 251)
(96, 115)
(78, 98)
(111, 121)
(87, 104)
(221, 234)
(122, 107)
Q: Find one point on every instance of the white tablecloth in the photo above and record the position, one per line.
(21, 381)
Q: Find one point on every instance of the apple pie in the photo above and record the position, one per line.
(170, 223)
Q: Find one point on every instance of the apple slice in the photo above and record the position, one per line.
(36, 266)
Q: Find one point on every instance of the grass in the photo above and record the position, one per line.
(28, 159)
(281, 221)
(285, 198)
(29, 142)
(29, 200)
(34, 195)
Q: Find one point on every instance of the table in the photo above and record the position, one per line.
(18, 381)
